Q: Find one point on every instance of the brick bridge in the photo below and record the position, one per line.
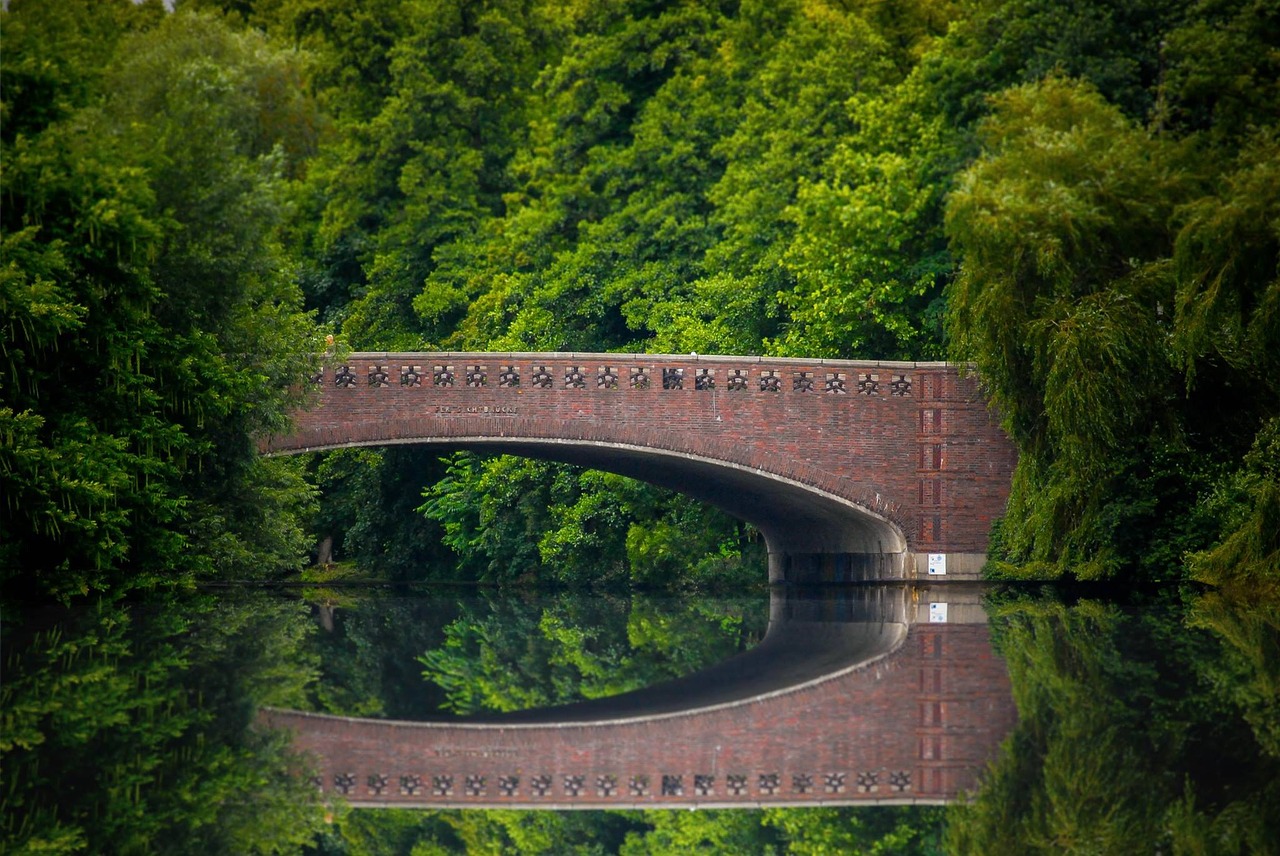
(867, 695)
(850, 470)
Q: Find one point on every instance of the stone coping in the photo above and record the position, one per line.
(635, 356)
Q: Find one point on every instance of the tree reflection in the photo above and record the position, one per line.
(504, 652)
(1148, 726)
(128, 728)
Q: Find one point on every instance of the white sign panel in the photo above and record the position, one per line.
(937, 613)
(937, 564)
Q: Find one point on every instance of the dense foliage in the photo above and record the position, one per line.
(1090, 219)
(152, 332)
(1081, 200)
(152, 329)
(126, 728)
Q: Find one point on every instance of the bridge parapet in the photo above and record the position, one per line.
(792, 445)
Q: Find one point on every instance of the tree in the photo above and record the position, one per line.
(1065, 234)
(422, 169)
(868, 255)
(43, 87)
(796, 111)
(155, 335)
(1125, 727)
(506, 655)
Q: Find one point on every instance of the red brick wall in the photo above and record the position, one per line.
(912, 443)
(917, 725)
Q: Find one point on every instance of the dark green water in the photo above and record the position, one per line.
(128, 726)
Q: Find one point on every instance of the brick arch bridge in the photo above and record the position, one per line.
(866, 695)
(850, 470)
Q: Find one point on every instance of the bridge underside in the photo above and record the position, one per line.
(807, 641)
(795, 519)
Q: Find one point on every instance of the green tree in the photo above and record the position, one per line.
(1246, 506)
(868, 255)
(368, 512)
(78, 227)
(1106, 270)
(673, 832)
(1227, 262)
(422, 169)
(368, 649)
(1065, 233)
(154, 333)
(606, 208)
(514, 655)
(798, 75)
(42, 87)
(493, 514)
(998, 44)
(511, 519)
(875, 831)
(1125, 727)
(1218, 63)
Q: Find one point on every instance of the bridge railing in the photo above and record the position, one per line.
(614, 371)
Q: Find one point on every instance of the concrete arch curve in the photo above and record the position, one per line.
(793, 517)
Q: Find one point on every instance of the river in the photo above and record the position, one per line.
(1102, 716)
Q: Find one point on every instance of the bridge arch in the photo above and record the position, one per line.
(794, 516)
(880, 462)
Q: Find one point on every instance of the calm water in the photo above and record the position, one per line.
(1144, 709)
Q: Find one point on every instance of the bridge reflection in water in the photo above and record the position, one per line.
(863, 694)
